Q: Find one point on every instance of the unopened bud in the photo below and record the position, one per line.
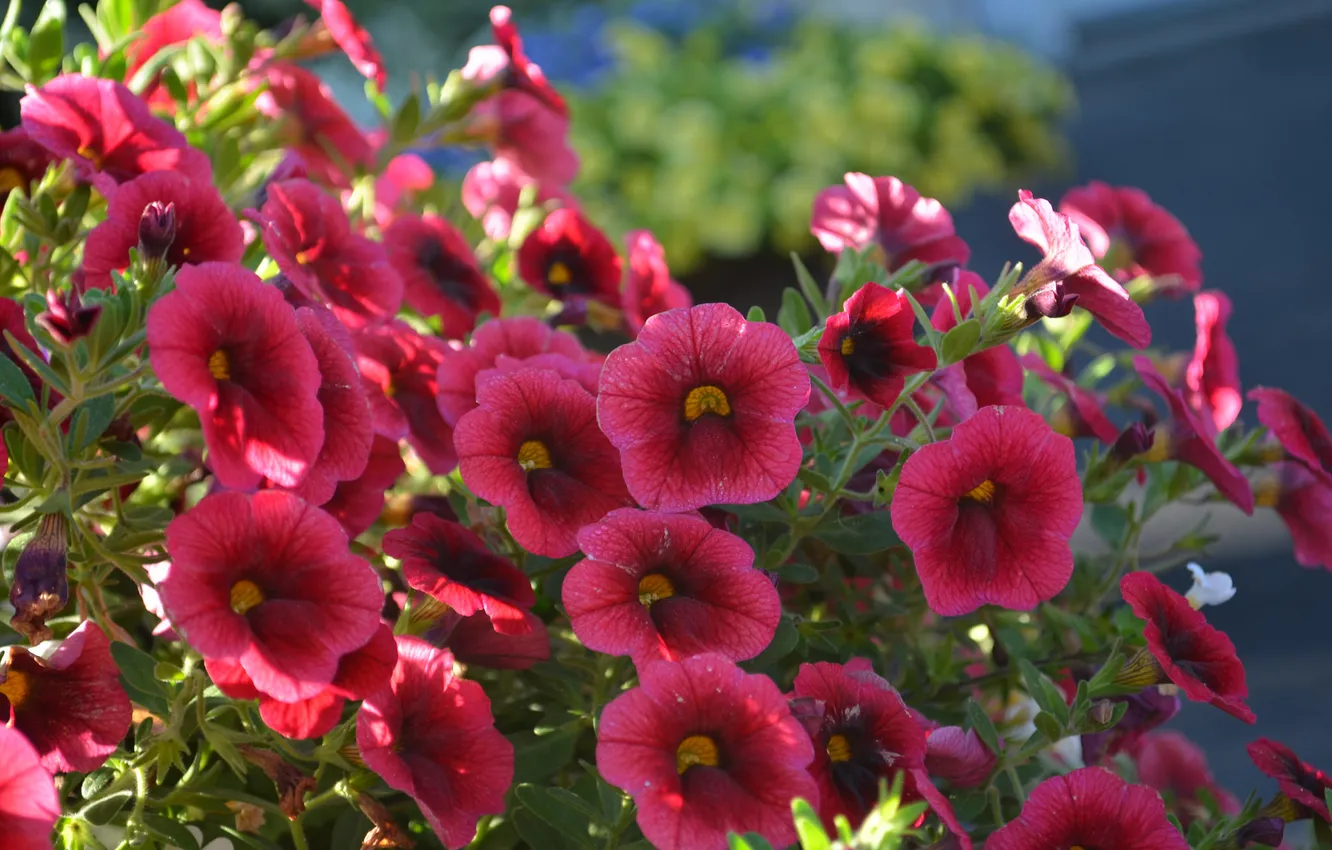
(1101, 712)
(66, 317)
(1049, 302)
(1265, 831)
(41, 587)
(1135, 440)
(157, 230)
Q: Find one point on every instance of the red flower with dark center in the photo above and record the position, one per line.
(568, 258)
(491, 191)
(205, 230)
(1089, 808)
(1304, 502)
(1213, 373)
(533, 447)
(648, 287)
(704, 749)
(959, 756)
(108, 132)
(358, 503)
(352, 38)
(519, 71)
(1132, 236)
(702, 408)
(71, 707)
(474, 641)
(181, 22)
(29, 804)
(307, 233)
(399, 371)
(1182, 649)
(886, 212)
(994, 376)
(1299, 430)
(267, 581)
(453, 565)
(1067, 261)
(228, 345)
(1186, 438)
(319, 131)
(988, 513)
(667, 586)
(22, 161)
(439, 274)
(1302, 783)
(1083, 416)
(869, 346)
(1172, 764)
(430, 735)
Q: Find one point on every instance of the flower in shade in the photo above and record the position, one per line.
(430, 735)
(1132, 236)
(397, 189)
(12, 321)
(267, 581)
(491, 192)
(994, 375)
(176, 25)
(988, 512)
(1147, 709)
(450, 563)
(1209, 588)
(107, 132)
(1172, 764)
(1068, 261)
(886, 212)
(648, 287)
(71, 707)
(1090, 807)
(353, 39)
(314, 127)
(704, 749)
(533, 447)
(229, 346)
(1083, 416)
(474, 641)
(1303, 785)
(506, 61)
(1304, 502)
(205, 229)
(40, 588)
(439, 274)
(356, 504)
(668, 586)
(1186, 438)
(66, 318)
(1212, 378)
(959, 756)
(1182, 649)
(399, 371)
(29, 805)
(702, 408)
(309, 236)
(1297, 428)
(869, 347)
(22, 161)
(570, 259)
(522, 129)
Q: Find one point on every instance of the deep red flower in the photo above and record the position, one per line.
(1187, 439)
(267, 581)
(228, 345)
(22, 161)
(70, 707)
(568, 258)
(667, 586)
(399, 370)
(1302, 783)
(108, 132)
(533, 447)
(353, 39)
(474, 641)
(491, 191)
(1083, 416)
(66, 317)
(316, 128)
(511, 63)
(988, 513)
(522, 129)
(887, 212)
(1068, 261)
(869, 346)
(1304, 502)
(1183, 649)
(430, 735)
(1132, 236)
(12, 320)
(1172, 764)
(398, 187)
(1299, 430)
(309, 236)
(450, 563)
(358, 503)
(176, 25)
(1090, 807)
(439, 274)
(205, 230)
(959, 756)
(705, 748)
(29, 805)
(994, 375)
(1213, 373)
(702, 406)
(586, 372)
(648, 287)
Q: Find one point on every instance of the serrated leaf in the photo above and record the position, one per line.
(959, 342)
(980, 721)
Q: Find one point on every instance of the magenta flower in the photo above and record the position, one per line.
(491, 191)
(1297, 428)
(356, 504)
(1212, 378)
(400, 372)
(29, 805)
(353, 39)
(439, 274)
(648, 287)
(886, 212)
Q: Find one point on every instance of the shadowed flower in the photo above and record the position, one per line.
(959, 756)
(648, 287)
(667, 586)
(988, 513)
(66, 318)
(1172, 764)
(1182, 649)
(491, 192)
(886, 212)
(705, 748)
(41, 586)
(439, 274)
(358, 503)
(1147, 709)
(229, 346)
(430, 735)
(1303, 785)
(71, 707)
(352, 38)
(1083, 416)
(312, 124)
(1212, 378)
(1304, 502)
(399, 371)
(869, 347)
(474, 641)
(1299, 430)
(994, 375)
(702, 408)
(29, 805)
(22, 161)
(568, 258)
(522, 129)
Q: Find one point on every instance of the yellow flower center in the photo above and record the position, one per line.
(219, 366)
(654, 587)
(1118, 256)
(245, 595)
(696, 751)
(848, 346)
(706, 399)
(11, 179)
(982, 492)
(1160, 449)
(91, 155)
(533, 454)
(558, 274)
(839, 749)
(1267, 492)
(304, 257)
(14, 687)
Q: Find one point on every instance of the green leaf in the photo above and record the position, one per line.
(1048, 726)
(756, 314)
(562, 810)
(225, 749)
(14, 386)
(137, 676)
(980, 721)
(863, 534)
(794, 317)
(748, 841)
(1110, 521)
(959, 342)
(100, 812)
(46, 42)
(1047, 696)
(538, 757)
(172, 831)
(407, 120)
(783, 641)
(810, 288)
(90, 422)
(809, 827)
(798, 573)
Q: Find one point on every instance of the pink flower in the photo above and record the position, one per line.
(309, 116)
(176, 25)
(474, 641)
(399, 371)
(887, 212)
(353, 39)
(527, 132)
(491, 191)
(358, 503)
(1297, 428)
(959, 756)
(1303, 500)
(1212, 378)
(29, 805)
(507, 60)
(648, 287)
(439, 273)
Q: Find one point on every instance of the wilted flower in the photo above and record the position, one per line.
(1209, 588)
(41, 585)
(292, 784)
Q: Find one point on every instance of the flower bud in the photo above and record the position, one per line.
(41, 587)
(1101, 712)
(1265, 831)
(1049, 302)
(66, 318)
(1135, 440)
(157, 230)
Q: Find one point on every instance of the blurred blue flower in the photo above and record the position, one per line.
(573, 51)
(451, 161)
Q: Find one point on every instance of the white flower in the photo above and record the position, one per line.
(1209, 588)
(1069, 750)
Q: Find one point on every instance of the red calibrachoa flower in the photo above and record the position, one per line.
(648, 287)
(1186, 438)
(1172, 764)
(1090, 807)
(1068, 262)
(430, 734)
(1304, 502)
(439, 273)
(205, 230)
(228, 345)
(1212, 378)
(176, 25)
(1182, 649)
(1132, 236)
(988, 513)
(474, 641)
(22, 161)
(307, 232)
(869, 347)
(1299, 430)
(705, 748)
(314, 123)
(450, 563)
(702, 406)
(959, 756)
(491, 192)
(667, 586)
(29, 805)
(400, 370)
(567, 257)
(358, 503)
(1083, 416)
(520, 128)
(352, 38)
(506, 60)
(533, 447)
(1301, 783)
(71, 707)
(886, 212)
(586, 372)
(267, 581)
(994, 376)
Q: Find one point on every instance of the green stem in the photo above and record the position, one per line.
(298, 835)
(910, 404)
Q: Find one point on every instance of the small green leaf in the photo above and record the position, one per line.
(756, 314)
(1047, 696)
(794, 317)
(980, 721)
(14, 386)
(798, 573)
(959, 342)
(407, 120)
(1048, 726)
(101, 811)
(809, 827)
(863, 534)
(137, 676)
(91, 421)
(538, 757)
(225, 749)
(1110, 521)
(748, 841)
(46, 42)
(810, 288)
(561, 810)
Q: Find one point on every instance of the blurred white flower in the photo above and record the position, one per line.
(1209, 588)
(1069, 751)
